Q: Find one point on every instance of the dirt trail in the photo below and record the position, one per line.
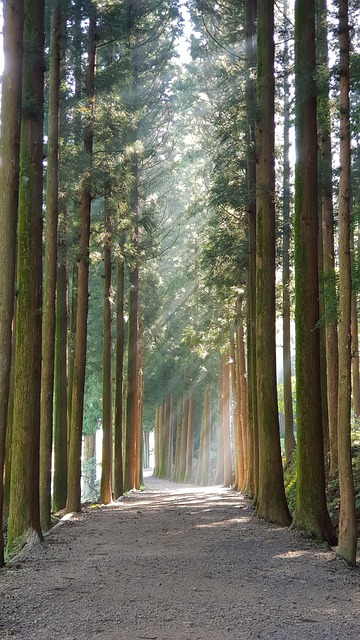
(173, 563)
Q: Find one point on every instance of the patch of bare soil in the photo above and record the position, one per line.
(178, 562)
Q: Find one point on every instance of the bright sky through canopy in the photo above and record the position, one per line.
(183, 44)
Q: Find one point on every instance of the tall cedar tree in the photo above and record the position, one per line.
(271, 503)
(24, 514)
(78, 11)
(164, 439)
(59, 492)
(60, 377)
(203, 469)
(132, 393)
(235, 398)
(177, 461)
(190, 442)
(328, 253)
(311, 514)
(242, 392)
(106, 467)
(132, 455)
(183, 441)
(288, 401)
(355, 345)
(50, 271)
(219, 479)
(119, 375)
(13, 23)
(347, 522)
(73, 502)
(170, 437)
(253, 448)
(228, 472)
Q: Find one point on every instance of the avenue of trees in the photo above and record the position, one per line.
(171, 211)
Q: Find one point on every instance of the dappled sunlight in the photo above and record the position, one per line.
(291, 555)
(223, 523)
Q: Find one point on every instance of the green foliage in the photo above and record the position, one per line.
(290, 482)
(224, 257)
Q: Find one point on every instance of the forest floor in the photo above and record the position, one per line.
(177, 562)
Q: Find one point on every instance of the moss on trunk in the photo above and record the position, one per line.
(24, 515)
(271, 499)
(311, 513)
(347, 522)
(13, 22)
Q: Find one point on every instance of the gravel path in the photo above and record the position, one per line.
(174, 563)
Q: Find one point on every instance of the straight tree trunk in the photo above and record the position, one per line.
(106, 466)
(323, 367)
(288, 402)
(89, 467)
(355, 346)
(60, 383)
(73, 278)
(183, 441)
(9, 429)
(72, 305)
(178, 441)
(228, 472)
(73, 502)
(132, 380)
(24, 515)
(170, 439)
(219, 479)
(242, 385)
(253, 441)
(355, 355)
(160, 438)
(347, 521)
(165, 438)
(146, 455)
(311, 514)
(242, 432)
(119, 377)
(61, 312)
(200, 460)
(132, 392)
(156, 443)
(328, 266)
(139, 430)
(190, 441)
(13, 22)
(203, 473)
(50, 267)
(235, 403)
(271, 502)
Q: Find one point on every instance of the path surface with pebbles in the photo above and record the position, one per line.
(177, 562)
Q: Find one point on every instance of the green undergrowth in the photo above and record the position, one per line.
(332, 488)
(290, 483)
